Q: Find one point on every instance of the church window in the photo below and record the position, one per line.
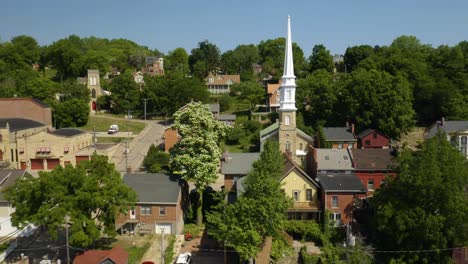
(93, 93)
(286, 120)
(288, 146)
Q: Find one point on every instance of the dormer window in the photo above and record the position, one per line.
(210, 80)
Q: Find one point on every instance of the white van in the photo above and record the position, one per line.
(113, 129)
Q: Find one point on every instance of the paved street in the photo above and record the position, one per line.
(138, 146)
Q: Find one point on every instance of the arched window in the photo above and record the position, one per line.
(286, 120)
(93, 93)
(288, 146)
(300, 146)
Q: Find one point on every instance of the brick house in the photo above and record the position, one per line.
(371, 138)
(154, 65)
(338, 137)
(27, 108)
(235, 166)
(372, 166)
(159, 205)
(338, 194)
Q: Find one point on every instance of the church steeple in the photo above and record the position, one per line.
(288, 81)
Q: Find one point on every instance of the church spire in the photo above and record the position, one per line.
(288, 81)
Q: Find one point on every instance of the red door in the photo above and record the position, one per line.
(23, 165)
(94, 106)
(52, 163)
(37, 164)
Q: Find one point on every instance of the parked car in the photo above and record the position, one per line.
(113, 129)
(184, 258)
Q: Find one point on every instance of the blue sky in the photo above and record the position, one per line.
(169, 24)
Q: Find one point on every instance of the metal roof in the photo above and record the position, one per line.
(334, 159)
(153, 187)
(341, 183)
(17, 124)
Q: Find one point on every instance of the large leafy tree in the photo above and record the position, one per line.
(196, 156)
(91, 194)
(271, 53)
(156, 160)
(321, 59)
(240, 60)
(65, 55)
(176, 62)
(251, 93)
(125, 93)
(259, 212)
(354, 55)
(204, 59)
(426, 206)
(70, 113)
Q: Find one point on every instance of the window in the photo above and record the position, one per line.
(370, 185)
(286, 120)
(145, 210)
(300, 146)
(382, 182)
(367, 143)
(309, 194)
(345, 157)
(288, 146)
(288, 95)
(336, 217)
(340, 145)
(327, 157)
(162, 210)
(296, 196)
(334, 203)
(375, 135)
(93, 93)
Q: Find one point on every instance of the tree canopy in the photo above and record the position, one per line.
(91, 194)
(425, 207)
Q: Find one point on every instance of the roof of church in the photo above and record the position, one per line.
(270, 129)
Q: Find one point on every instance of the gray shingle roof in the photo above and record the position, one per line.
(341, 183)
(239, 163)
(7, 178)
(338, 134)
(227, 118)
(334, 159)
(373, 159)
(67, 132)
(449, 127)
(17, 124)
(154, 187)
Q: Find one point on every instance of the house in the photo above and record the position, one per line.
(27, 108)
(159, 206)
(235, 166)
(8, 178)
(338, 137)
(372, 166)
(457, 133)
(339, 192)
(273, 93)
(218, 84)
(116, 255)
(28, 144)
(371, 138)
(138, 78)
(227, 119)
(303, 190)
(326, 161)
(154, 65)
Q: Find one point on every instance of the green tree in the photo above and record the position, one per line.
(259, 212)
(125, 93)
(70, 113)
(354, 55)
(156, 160)
(240, 60)
(321, 59)
(196, 156)
(251, 93)
(425, 207)
(176, 62)
(65, 56)
(72, 89)
(91, 194)
(204, 59)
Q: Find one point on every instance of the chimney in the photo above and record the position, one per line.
(352, 128)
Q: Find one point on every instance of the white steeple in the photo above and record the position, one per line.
(288, 81)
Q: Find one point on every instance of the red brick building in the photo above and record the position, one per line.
(338, 194)
(171, 137)
(371, 138)
(27, 108)
(159, 205)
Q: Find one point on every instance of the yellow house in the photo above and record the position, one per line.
(303, 190)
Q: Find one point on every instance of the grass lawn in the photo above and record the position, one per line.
(136, 251)
(102, 125)
(111, 139)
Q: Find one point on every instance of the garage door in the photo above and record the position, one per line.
(37, 164)
(52, 163)
(81, 158)
(166, 227)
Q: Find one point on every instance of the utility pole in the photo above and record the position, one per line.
(67, 218)
(94, 137)
(126, 142)
(162, 245)
(145, 99)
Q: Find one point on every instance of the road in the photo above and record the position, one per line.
(138, 147)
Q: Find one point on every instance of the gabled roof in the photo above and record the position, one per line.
(227, 117)
(333, 159)
(369, 131)
(7, 178)
(238, 163)
(372, 159)
(290, 166)
(341, 183)
(222, 79)
(67, 132)
(17, 124)
(338, 134)
(448, 127)
(156, 188)
(304, 135)
(117, 255)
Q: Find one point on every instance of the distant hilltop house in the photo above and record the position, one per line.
(154, 65)
(27, 140)
(457, 133)
(138, 78)
(92, 81)
(219, 84)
